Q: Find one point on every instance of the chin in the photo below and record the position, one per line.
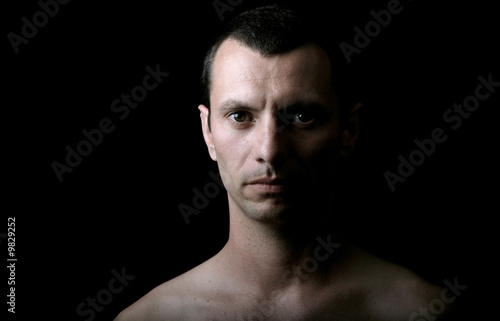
(272, 211)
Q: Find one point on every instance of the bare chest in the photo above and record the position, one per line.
(290, 308)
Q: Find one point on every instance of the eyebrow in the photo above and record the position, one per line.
(304, 105)
(232, 105)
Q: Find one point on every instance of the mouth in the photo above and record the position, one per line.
(269, 186)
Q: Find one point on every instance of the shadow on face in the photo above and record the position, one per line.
(274, 127)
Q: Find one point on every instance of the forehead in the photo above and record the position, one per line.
(242, 73)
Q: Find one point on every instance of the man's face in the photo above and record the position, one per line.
(274, 128)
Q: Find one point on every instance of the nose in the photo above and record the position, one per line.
(271, 142)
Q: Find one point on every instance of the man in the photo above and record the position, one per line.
(277, 125)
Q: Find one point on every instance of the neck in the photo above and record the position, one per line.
(270, 255)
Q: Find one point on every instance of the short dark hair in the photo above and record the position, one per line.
(271, 30)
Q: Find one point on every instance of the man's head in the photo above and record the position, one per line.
(272, 116)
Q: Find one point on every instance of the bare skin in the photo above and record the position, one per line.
(282, 260)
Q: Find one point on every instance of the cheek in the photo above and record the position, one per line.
(231, 152)
(319, 154)
(321, 142)
(227, 146)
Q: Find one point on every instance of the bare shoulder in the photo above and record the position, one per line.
(177, 299)
(161, 303)
(397, 293)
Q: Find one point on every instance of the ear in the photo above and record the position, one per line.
(351, 131)
(207, 133)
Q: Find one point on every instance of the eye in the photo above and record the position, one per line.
(304, 117)
(238, 116)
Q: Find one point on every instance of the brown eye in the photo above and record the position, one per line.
(303, 117)
(238, 117)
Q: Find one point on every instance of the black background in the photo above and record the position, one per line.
(119, 207)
